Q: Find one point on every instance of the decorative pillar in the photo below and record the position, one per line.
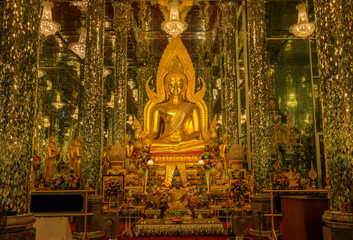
(18, 76)
(259, 82)
(335, 47)
(92, 96)
(260, 117)
(122, 28)
(229, 20)
(142, 76)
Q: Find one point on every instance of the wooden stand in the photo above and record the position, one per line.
(302, 217)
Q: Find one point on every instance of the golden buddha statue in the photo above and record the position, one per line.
(175, 117)
(52, 158)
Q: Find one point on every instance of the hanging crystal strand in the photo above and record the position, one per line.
(18, 75)
(122, 27)
(92, 96)
(335, 48)
(259, 82)
(228, 20)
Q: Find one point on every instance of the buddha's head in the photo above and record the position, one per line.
(175, 83)
(177, 182)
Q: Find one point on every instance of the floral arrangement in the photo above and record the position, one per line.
(202, 202)
(62, 166)
(304, 183)
(143, 158)
(191, 201)
(66, 181)
(113, 187)
(347, 207)
(157, 191)
(208, 157)
(239, 186)
(41, 184)
(36, 163)
(280, 181)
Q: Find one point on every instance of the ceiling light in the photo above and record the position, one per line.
(41, 73)
(47, 26)
(106, 72)
(110, 104)
(75, 115)
(46, 122)
(58, 104)
(174, 26)
(80, 47)
(83, 5)
(303, 28)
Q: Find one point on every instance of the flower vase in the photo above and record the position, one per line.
(207, 176)
(146, 178)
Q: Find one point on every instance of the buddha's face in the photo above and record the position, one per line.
(177, 183)
(175, 85)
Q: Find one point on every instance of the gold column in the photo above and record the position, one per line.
(229, 25)
(92, 95)
(122, 28)
(259, 82)
(335, 47)
(18, 75)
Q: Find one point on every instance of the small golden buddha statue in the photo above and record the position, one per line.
(77, 156)
(70, 154)
(105, 160)
(223, 150)
(52, 158)
(177, 196)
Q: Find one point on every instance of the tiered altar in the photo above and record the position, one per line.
(176, 172)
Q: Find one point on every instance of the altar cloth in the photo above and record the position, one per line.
(52, 228)
(194, 227)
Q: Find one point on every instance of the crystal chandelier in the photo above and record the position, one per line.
(80, 47)
(174, 26)
(303, 28)
(47, 26)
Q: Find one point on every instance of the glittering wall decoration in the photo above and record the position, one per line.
(18, 74)
(335, 48)
(228, 19)
(259, 82)
(92, 96)
(122, 28)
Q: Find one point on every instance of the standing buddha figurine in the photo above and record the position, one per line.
(52, 158)
(78, 156)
